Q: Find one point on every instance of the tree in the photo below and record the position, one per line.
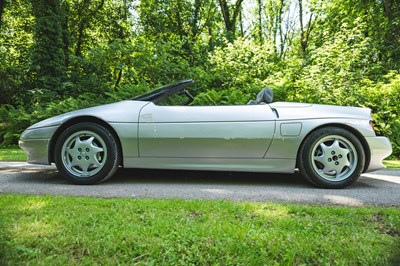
(305, 30)
(230, 15)
(2, 7)
(48, 58)
(391, 10)
(15, 51)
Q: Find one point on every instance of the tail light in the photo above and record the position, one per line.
(372, 125)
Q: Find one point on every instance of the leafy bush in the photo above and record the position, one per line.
(17, 119)
(384, 101)
(221, 97)
(14, 121)
(238, 64)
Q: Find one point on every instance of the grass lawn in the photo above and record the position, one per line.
(392, 164)
(12, 155)
(55, 230)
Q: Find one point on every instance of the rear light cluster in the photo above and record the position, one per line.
(372, 125)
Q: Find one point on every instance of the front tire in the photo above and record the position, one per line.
(331, 158)
(86, 154)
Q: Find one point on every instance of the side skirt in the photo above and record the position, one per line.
(214, 164)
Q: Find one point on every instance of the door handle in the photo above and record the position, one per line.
(146, 118)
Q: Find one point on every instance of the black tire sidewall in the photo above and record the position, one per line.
(306, 164)
(110, 165)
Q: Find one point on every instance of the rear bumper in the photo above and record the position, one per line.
(380, 148)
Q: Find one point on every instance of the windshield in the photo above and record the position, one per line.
(160, 94)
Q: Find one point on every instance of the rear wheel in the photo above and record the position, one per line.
(331, 158)
(86, 153)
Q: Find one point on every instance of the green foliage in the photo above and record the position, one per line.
(127, 91)
(16, 31)
(16, 119)
(48, 63)
(384, 100)
(336, 69)
(242, 64)
(221, 97)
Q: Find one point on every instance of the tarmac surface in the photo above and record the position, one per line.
(380, 188)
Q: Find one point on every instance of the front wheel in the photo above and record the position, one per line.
(86, 153)
(331, 158)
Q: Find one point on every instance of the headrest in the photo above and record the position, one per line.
(265, 96)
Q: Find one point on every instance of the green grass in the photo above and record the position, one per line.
(12, 155)
(49, 230)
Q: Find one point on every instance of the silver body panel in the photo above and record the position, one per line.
(380, 148)
(262, 138)
(205, 132)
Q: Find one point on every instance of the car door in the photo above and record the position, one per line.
(205, 131)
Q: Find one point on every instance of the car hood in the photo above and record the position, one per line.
(286, 110)
(122, 112)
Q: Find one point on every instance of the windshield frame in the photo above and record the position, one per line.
(164, 92)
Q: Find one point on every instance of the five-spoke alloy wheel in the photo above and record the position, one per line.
(86, 153)
(331, 158)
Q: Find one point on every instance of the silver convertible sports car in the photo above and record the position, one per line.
(331, 146)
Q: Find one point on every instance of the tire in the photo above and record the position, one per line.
(86, 154)
(331, 158)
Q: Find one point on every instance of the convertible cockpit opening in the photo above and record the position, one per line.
(177, 94)
(189, 96)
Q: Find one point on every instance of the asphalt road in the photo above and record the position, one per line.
(377, 188)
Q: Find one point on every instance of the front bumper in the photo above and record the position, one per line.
(380, 148)
(35, 142)
(36, 149)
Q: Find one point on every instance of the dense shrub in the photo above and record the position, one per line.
(16, 119)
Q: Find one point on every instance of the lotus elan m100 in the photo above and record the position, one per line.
(331, 146)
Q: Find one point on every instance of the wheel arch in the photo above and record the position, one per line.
(352, 130)
(81, 119)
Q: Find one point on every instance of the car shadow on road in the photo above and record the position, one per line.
(152, 176)
(131, 176)
(50, 175)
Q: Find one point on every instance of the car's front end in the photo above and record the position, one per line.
(35, 142)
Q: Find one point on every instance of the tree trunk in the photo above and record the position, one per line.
(230, 17)
(83, 23)
(304, 33)
(2, 7)
(260, 26)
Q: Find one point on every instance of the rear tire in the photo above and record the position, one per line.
(86, 154)
(331, 158)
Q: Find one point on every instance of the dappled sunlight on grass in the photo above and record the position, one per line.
(34, 204)
(33, 221)
(30, 230)
(271, 211)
